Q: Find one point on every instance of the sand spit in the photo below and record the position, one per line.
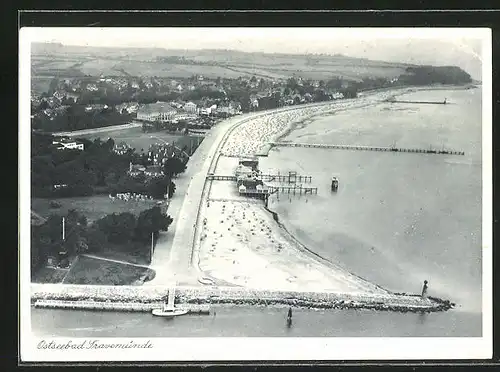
(238, 296)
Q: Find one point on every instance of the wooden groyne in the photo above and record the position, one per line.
(369, 148)
(117, 306)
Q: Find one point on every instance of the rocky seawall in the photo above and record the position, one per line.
(237, 296)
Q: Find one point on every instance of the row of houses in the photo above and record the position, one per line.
(162, 111)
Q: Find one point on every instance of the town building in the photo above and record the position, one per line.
(122, 148)
(190, 107)
(159, 111)
(250, 162)
(68, 145)
(135, 170)
(154, 171)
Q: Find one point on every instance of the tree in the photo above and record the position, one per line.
(174, 166)
(96, 239)
(151, 221)
(118, 228)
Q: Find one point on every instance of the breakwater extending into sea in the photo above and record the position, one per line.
(368, 148)
(144, 298)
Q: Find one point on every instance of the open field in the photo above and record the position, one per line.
(49, 275)
(93, 207)
(136, 138)
(88, 270)
(40, 84)
(210, 63)
(137, 256)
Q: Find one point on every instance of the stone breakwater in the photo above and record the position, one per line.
(151, 296)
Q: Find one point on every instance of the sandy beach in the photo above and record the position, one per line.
(238, 240)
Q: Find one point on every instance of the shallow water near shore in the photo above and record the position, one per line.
(243, 321)
(397, 219)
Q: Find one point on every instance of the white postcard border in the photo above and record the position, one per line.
(253, 348)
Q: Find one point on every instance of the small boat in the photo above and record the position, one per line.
(168, 310)
(169, 313)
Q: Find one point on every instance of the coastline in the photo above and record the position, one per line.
(368, 300)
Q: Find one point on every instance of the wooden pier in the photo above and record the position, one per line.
(368, 148)
(420, 102)
(295, 189)
(289, 178)
(214, 177)
(117, 306)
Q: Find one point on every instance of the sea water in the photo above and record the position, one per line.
(398, 218)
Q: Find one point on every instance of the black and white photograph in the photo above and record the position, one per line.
(255, 194)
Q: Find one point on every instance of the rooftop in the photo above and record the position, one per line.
(156, 107)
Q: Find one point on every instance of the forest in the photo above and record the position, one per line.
(123, 232)
(95, 170)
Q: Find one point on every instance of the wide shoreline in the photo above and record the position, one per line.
(392, 302)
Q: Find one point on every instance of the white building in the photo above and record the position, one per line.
(68, 145)
(190, 107)
(159, 111)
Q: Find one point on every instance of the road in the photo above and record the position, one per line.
(83, 132)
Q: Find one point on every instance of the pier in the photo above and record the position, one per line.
(420, 102)
(295, 189)
(289, 178)
(369, 148)
(214, 177)
(292, 177)
(117, 306)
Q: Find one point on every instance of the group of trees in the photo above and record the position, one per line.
(75, 117)
(425, 75)
(96, 170)
(123, 231)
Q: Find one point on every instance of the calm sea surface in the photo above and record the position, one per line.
(398, 219)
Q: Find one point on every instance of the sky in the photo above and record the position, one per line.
(460, 47)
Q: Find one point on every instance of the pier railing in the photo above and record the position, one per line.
(368, 148)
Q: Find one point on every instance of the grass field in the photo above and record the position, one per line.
(49, 275)
(40, 84)
(212, 64)
(136, 138)
(138, 256)
(87, 270)
(93, 207)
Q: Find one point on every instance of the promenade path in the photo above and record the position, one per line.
(172, 256)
